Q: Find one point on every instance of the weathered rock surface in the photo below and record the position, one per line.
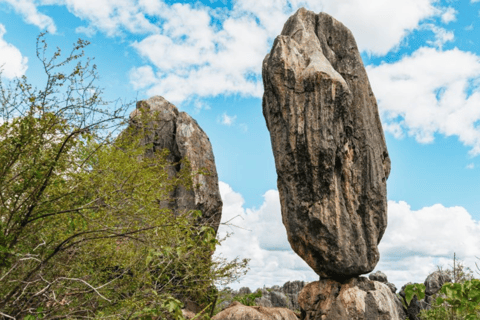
(237, 311)
(330, 153)
(285, 296)
(434, 282)
(357, 298)
(182, 136)
(382, 277)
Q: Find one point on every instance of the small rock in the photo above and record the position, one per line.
(434, 282)
(244, 290)
(391, 286)
(378, 276)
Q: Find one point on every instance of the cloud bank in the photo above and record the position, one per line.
(432, 91)
(415, 243)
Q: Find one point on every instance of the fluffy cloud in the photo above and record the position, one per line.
(449, 15)
(259, 235)
(227, 120)
(197, 51)
(415, 243)
(28, 9)
(194, 58)
(111, 17)
(378, 26)
(191, 53)
(430, 92)
(12, 63)
(442, 36)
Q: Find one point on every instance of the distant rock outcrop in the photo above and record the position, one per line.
(382, 277)
(358, 298)
(330, 153)
(182, 136)
(237, 311)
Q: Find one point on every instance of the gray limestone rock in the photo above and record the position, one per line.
(330, 154)
(434, 282)
(292, 289)
(391, 286)
(378, 276)
(176, 131)
(357, 298)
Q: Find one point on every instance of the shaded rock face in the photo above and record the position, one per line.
(330, 153)
(237, 311)
(434, 282)
(182, 136)
(358, 298)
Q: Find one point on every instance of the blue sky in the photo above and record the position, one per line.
(423, 61)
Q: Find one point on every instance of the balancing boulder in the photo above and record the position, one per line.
(330, 153)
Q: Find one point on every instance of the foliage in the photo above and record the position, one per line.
(249, 298)
(457, 300)
(83, 232)
(411, 290)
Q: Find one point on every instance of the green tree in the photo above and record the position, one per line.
(82, 234)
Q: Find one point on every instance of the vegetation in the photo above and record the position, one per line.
(249, 298)
(457, 300)
(82, 232)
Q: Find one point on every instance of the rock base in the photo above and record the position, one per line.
(356, 299)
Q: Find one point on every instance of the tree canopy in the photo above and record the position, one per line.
(82, 234)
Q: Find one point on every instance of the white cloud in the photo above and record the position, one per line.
(12, 63)
(88, 31)
(449, 15)
(259, 235)
(417, 241)
(470, 166)
(227, 120)
(111, 17)
(141, 77)
(202, 52)
(442, 36)
(378, 26)
(28, 9)
(414, 244)
(431, 92)
(193, 57)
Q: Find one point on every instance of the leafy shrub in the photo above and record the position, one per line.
(249, 298)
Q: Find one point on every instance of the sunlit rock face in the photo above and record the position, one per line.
(168, 128)
(330, 153)
(358, 298)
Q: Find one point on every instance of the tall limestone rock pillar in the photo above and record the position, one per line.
(329, 147)
(182, 136)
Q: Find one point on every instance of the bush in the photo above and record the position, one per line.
(82, 234)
